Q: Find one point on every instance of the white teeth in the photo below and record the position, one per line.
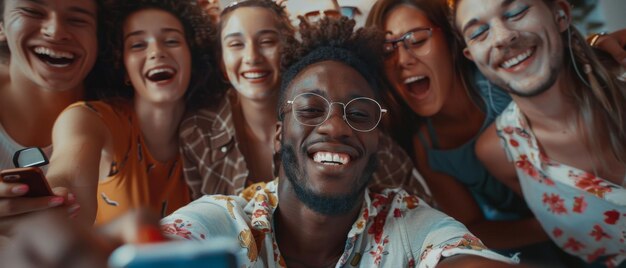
(414, 79)
(160, 70)
(53, 53)
(255, 75)
(328, 158)
(516, 60)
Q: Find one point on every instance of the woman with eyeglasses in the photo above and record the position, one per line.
(229, 147)
(451, 103)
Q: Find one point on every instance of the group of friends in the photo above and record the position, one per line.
(447, 132)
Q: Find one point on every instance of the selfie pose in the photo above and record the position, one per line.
(123, 152)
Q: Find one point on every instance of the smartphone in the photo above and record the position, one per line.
(31, 176)
(218, 253)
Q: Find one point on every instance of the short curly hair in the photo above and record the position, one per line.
(200, 36)
(364, 43)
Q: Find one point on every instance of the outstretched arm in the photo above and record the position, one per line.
(79, 137)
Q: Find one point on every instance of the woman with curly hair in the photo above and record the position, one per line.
(230, 146)
(123, 152)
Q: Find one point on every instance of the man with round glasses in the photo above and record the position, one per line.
(319, 212)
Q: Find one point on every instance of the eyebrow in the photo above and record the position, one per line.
(238, 34)
(164, 30)
(76, 9)
(474, 21)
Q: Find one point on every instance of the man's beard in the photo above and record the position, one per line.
(554, 74)
(324, 204)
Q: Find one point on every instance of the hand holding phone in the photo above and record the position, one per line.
(31, 176)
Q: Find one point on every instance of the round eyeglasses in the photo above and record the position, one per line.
(415, 41)
(361, 114)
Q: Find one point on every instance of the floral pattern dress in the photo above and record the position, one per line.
(585, 215)
(394, 229)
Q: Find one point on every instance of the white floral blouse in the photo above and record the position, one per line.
(394, 229)
(585, 215)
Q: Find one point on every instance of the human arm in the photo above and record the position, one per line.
(455, 199)
(79, 137)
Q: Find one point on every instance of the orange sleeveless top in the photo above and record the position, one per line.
(135, 178)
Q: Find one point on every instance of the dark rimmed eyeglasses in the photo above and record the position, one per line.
(361, 114)
(415, 41)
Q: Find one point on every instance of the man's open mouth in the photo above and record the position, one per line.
(330, 158)
(53, 57)
(516, 60)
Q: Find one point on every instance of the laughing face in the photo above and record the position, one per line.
(423, 81)
(156, 55)
(250, 52)
(53, 43)
(516, 44)
(328, 165)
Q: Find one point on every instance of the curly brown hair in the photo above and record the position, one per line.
(204, 89)
(364, 43)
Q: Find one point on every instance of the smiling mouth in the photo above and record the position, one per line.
(418, 85)
(160, 74)
(332, 159)
(255, 75)
(53, 57)
(514, 61)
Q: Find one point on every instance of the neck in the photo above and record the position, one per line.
(307, 236)
(259, 117)
(27, 110)
(159, 126)
(551, 109)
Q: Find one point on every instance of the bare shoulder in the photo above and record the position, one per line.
(492, 154)
(79, 122)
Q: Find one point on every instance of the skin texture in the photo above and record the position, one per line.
(33, 92)
(456, 120)
(250, 41)
(83, 144)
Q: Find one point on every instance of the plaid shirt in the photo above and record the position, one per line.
(213, 163)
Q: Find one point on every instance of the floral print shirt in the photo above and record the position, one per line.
(583, 214)
(394, 229)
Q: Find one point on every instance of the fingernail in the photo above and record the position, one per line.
(55, 201)
(74, 208)
(22, 189)
(71, 197)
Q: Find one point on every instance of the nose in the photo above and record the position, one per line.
(155, 51)
(503, 36)
(251, 54)
(52, 28)
(405, 57)
(335, 126)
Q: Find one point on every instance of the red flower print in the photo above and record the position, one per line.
(411, 201)
(611, 216)
(526, 166)
(555, 203)
(379, 251)
(176, 229)
(591, 184)
(514, 143)
(411, 263)
(379, 222)
(579, 204)
(397, 213)
(599, 252)
(599, 233)
(573, 244)
(557, 232)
